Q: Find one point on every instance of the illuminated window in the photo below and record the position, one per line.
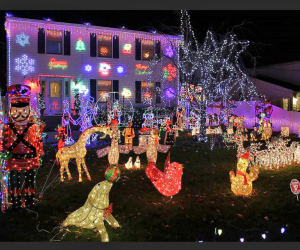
(148, 91)
(147, 50)
(54, 42)
(54, 89)
(103, 88)
(104, 46)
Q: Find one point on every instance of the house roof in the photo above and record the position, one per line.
(91, 28)
(279, 82)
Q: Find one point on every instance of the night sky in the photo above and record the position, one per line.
(275, 35)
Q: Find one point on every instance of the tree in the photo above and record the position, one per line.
(209, 72)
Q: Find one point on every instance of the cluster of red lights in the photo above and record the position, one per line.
(167, 182)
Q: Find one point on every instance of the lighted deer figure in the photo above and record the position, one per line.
(77, 151)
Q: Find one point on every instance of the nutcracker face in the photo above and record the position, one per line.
(114, 127)
(129, 124)
(61, 130)
(20, 115)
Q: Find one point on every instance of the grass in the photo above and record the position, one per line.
(146, 215)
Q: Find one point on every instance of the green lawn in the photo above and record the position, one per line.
(146, 215)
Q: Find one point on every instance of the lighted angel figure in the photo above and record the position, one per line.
(96, 209)
(115, 149)
(151, 148)
(241, 183)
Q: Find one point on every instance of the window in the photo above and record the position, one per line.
(103, 88)
(104, 46)
(43, 86)
(147, 50)
(285, 103)
(54, 89)
(54, 42)
(66, 88)
(148, 91)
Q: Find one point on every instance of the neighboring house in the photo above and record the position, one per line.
(286, 75)
(61, 59)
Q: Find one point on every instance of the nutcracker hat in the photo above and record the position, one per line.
(19, 95)
(114, 121)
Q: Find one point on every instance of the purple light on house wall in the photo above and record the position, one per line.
(169, 92)
(169, 51)
(120, 69)
(88, 68)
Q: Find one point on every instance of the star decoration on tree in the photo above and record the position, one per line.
(170, 72)
(22, 39)
(24, 64)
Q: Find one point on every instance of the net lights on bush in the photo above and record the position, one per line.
(77, 151)
(167, 182)
(96, 209)
(104, 69)
(22, 39)
(24, 64)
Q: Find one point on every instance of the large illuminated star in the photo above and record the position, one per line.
(22, 39)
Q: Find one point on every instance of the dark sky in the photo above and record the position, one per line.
(275, 35)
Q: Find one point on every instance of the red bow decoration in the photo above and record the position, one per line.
(32, 190)
(18, 191)
(242, 174)
(108, 210)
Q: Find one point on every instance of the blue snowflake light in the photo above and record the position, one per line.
(22, 39)
(24, 64)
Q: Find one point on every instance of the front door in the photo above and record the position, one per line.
(55, 87)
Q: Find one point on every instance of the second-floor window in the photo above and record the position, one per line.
(104, 46)
(147, 50)
(148, 91)
(54, 42)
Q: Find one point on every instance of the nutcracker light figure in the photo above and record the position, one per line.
(21, 147)
(128, 133)
(61, 136)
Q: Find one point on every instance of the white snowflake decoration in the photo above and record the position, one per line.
(22, 39)
(24, 64)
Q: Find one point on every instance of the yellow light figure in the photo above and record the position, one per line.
(115, 149)
(128, 165)
(137, 163)
(241, 183)
(128, 133)
(77, 151)
(96, 209)
(151, 148)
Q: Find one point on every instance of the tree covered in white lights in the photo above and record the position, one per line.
(209, 72)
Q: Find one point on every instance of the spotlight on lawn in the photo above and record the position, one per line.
(264, 236)
(282, 230)
(219, 231)
(242, 239)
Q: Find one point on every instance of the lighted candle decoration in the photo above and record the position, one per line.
(129, 165)
(241, 183)
(96, 209)
(137, 163)
(167, 182)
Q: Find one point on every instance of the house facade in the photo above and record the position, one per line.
(62, 59)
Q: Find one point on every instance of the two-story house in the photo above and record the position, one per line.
(61, 59)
